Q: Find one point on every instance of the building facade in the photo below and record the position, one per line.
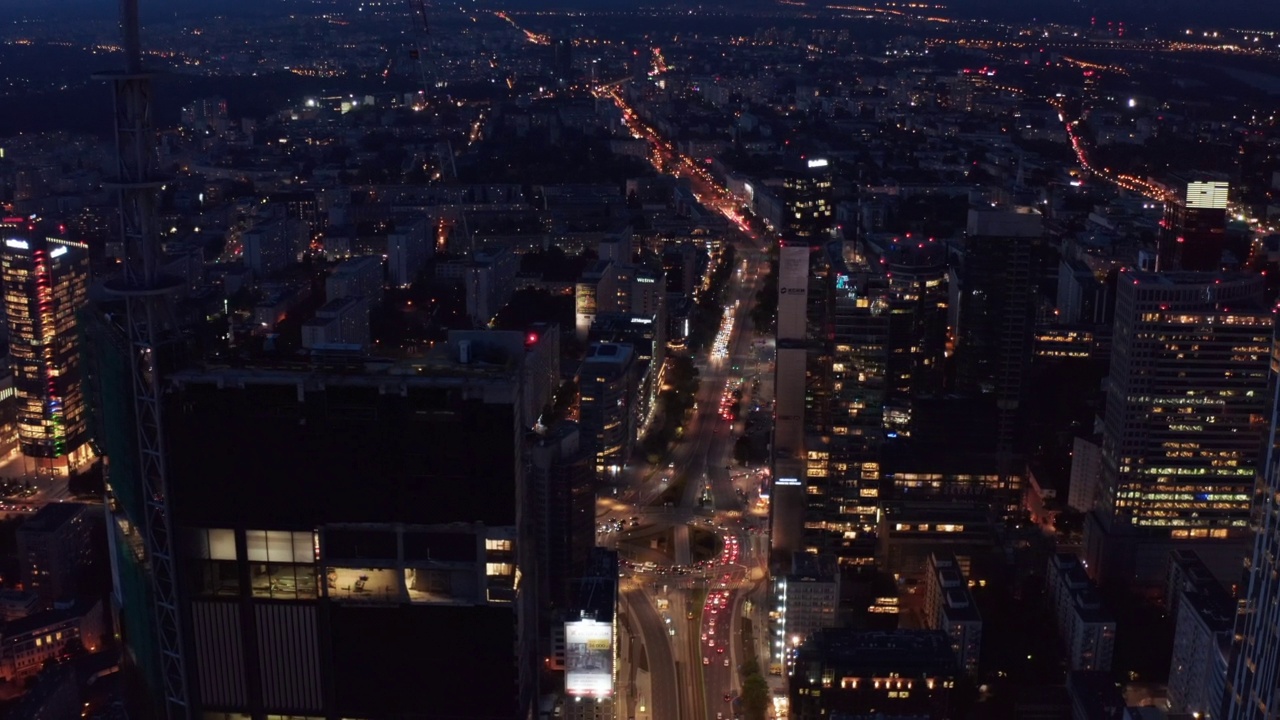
(1204, 613)
(1186, 413)
(805, 601)
(995, 317)
(55, 547)
(45, 282)
(1252, 689)
(375, 557)
(608, 385)
(949, 607)
(1086, 627)
(850, 673)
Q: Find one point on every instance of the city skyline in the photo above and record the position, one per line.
(789, 360)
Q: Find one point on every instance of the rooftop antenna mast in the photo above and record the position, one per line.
(149, 304)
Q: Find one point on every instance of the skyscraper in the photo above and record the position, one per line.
(788, 499)
(1253, 673)
(996, 316)
(813, 499)
(349, 543)
(1185, 416)
(608, 385)
(45, 282)
(854, 357)
(1194, 229)
(807, 195)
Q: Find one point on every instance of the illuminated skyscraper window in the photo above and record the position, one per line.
(45, 281)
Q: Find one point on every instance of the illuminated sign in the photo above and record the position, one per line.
(58, 251)
(646, 279)
(17, 244)
(588, 658)
(787, 481)
(818, 163)
(642, 321)
(1212, 195)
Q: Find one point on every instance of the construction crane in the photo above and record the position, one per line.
(148, 298)
(421, 25)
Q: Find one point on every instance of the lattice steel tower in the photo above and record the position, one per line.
(150, 316)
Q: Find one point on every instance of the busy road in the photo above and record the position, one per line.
(693, 605)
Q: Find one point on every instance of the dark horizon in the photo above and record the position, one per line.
(1160, 14)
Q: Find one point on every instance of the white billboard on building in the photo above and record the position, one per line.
(793, 288)
(1207, 195)
(588, 658)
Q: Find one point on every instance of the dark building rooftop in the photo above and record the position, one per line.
(52, 516)
(906, 652)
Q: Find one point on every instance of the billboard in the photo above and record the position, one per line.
(588, 658)
(1207, 195)
(793, 289)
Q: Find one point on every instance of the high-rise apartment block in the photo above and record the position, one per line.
(805, 601)
(340, 325)
(357, 277)
(489, 281)
(1086, 627)
(409, 246)
(608, 385)
(56, 550)
(1186, 413)
(45, 281)
(1204, 613)
(562, 484)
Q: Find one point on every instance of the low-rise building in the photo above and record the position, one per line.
(949, 607)
(28, 643)
(853, 673)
